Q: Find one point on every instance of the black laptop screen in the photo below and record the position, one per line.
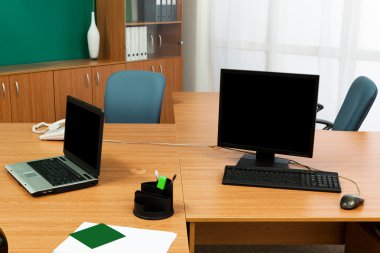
(83, 134)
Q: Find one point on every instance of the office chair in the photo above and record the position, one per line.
(134, 97)
(355, 107)
(3, 242)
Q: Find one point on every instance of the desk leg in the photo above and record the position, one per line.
(192, 237)
(361, 237)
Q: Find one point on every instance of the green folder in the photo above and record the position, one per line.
(97, 235)
(128, 11)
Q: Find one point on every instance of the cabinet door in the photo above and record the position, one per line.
(74, 82)
(165, 68)
(5, 100)
(177, 74)
(100, 76)
(32, 97)
(140, 65)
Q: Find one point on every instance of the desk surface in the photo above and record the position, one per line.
(355, 155)
(40, 224)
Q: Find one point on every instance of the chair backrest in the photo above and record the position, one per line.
(356, 105)
(134, 97)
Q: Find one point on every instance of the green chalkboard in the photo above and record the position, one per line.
(43, 30)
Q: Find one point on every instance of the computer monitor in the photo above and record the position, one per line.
(268, 113)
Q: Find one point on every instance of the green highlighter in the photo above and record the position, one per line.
(161, 182)
(97, 235)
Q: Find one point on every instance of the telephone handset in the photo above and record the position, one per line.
(55, 131)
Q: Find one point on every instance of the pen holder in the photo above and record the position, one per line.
(152, 203)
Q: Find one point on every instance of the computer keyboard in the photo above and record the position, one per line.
(297, 179)
(55, 171)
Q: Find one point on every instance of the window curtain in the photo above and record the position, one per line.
(336, 39)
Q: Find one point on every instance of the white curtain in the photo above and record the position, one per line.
(337, 39)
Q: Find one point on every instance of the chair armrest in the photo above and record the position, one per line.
(328, 124)
(319, 107)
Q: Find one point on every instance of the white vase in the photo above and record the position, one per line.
(93, 38)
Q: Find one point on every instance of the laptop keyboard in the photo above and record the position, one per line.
(55, 171)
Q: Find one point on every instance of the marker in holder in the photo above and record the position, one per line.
(152, 203)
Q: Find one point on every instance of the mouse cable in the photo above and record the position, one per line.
(160, 143)
(310, 168)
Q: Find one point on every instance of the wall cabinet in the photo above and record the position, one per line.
(27, 97)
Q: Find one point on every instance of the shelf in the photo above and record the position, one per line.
(153, 23)
(53, 65)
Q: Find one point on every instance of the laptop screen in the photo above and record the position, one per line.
(84, 135)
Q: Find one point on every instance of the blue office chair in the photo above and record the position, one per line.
(134, 97)
(356, 105)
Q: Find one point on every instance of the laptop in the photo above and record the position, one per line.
(79, 167)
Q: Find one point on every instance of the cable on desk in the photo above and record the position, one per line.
(295, 162)
(159, 143)
(310, 168)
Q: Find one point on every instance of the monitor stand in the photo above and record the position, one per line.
(263, 160)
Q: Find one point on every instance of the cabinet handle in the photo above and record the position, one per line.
(87, 80)
(3, 84)
(17, 88)
(151, 41)
(160, 41)
(97, 78)
(161, 68)
(153, 68)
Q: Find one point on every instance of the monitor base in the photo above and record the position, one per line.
(248, 160)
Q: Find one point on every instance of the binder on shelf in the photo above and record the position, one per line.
(158, 11)
(143, 43)
(148, 10)
(174, 10)
(136, 42)
(169, 10)
(128, 44)
(164, 10)
(128, 11)
(134, 9)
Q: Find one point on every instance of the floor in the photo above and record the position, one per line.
(271, 249)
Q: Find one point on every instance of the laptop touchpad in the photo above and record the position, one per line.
(30, 174)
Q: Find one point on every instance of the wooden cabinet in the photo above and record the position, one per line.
(32, 97)
(87, 84)
(37, 92)
(75, 82)
(5, 100)
(100, 76)
(163, 41)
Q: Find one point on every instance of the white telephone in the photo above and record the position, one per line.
(55, 131)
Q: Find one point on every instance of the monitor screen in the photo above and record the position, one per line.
(267, 112)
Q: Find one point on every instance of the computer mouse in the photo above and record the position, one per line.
(351, 201)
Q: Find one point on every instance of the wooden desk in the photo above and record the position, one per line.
(40, 224)
(221, 214)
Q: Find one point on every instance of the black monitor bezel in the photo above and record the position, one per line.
(305, 153)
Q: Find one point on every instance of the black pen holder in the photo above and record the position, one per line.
(152, 203)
